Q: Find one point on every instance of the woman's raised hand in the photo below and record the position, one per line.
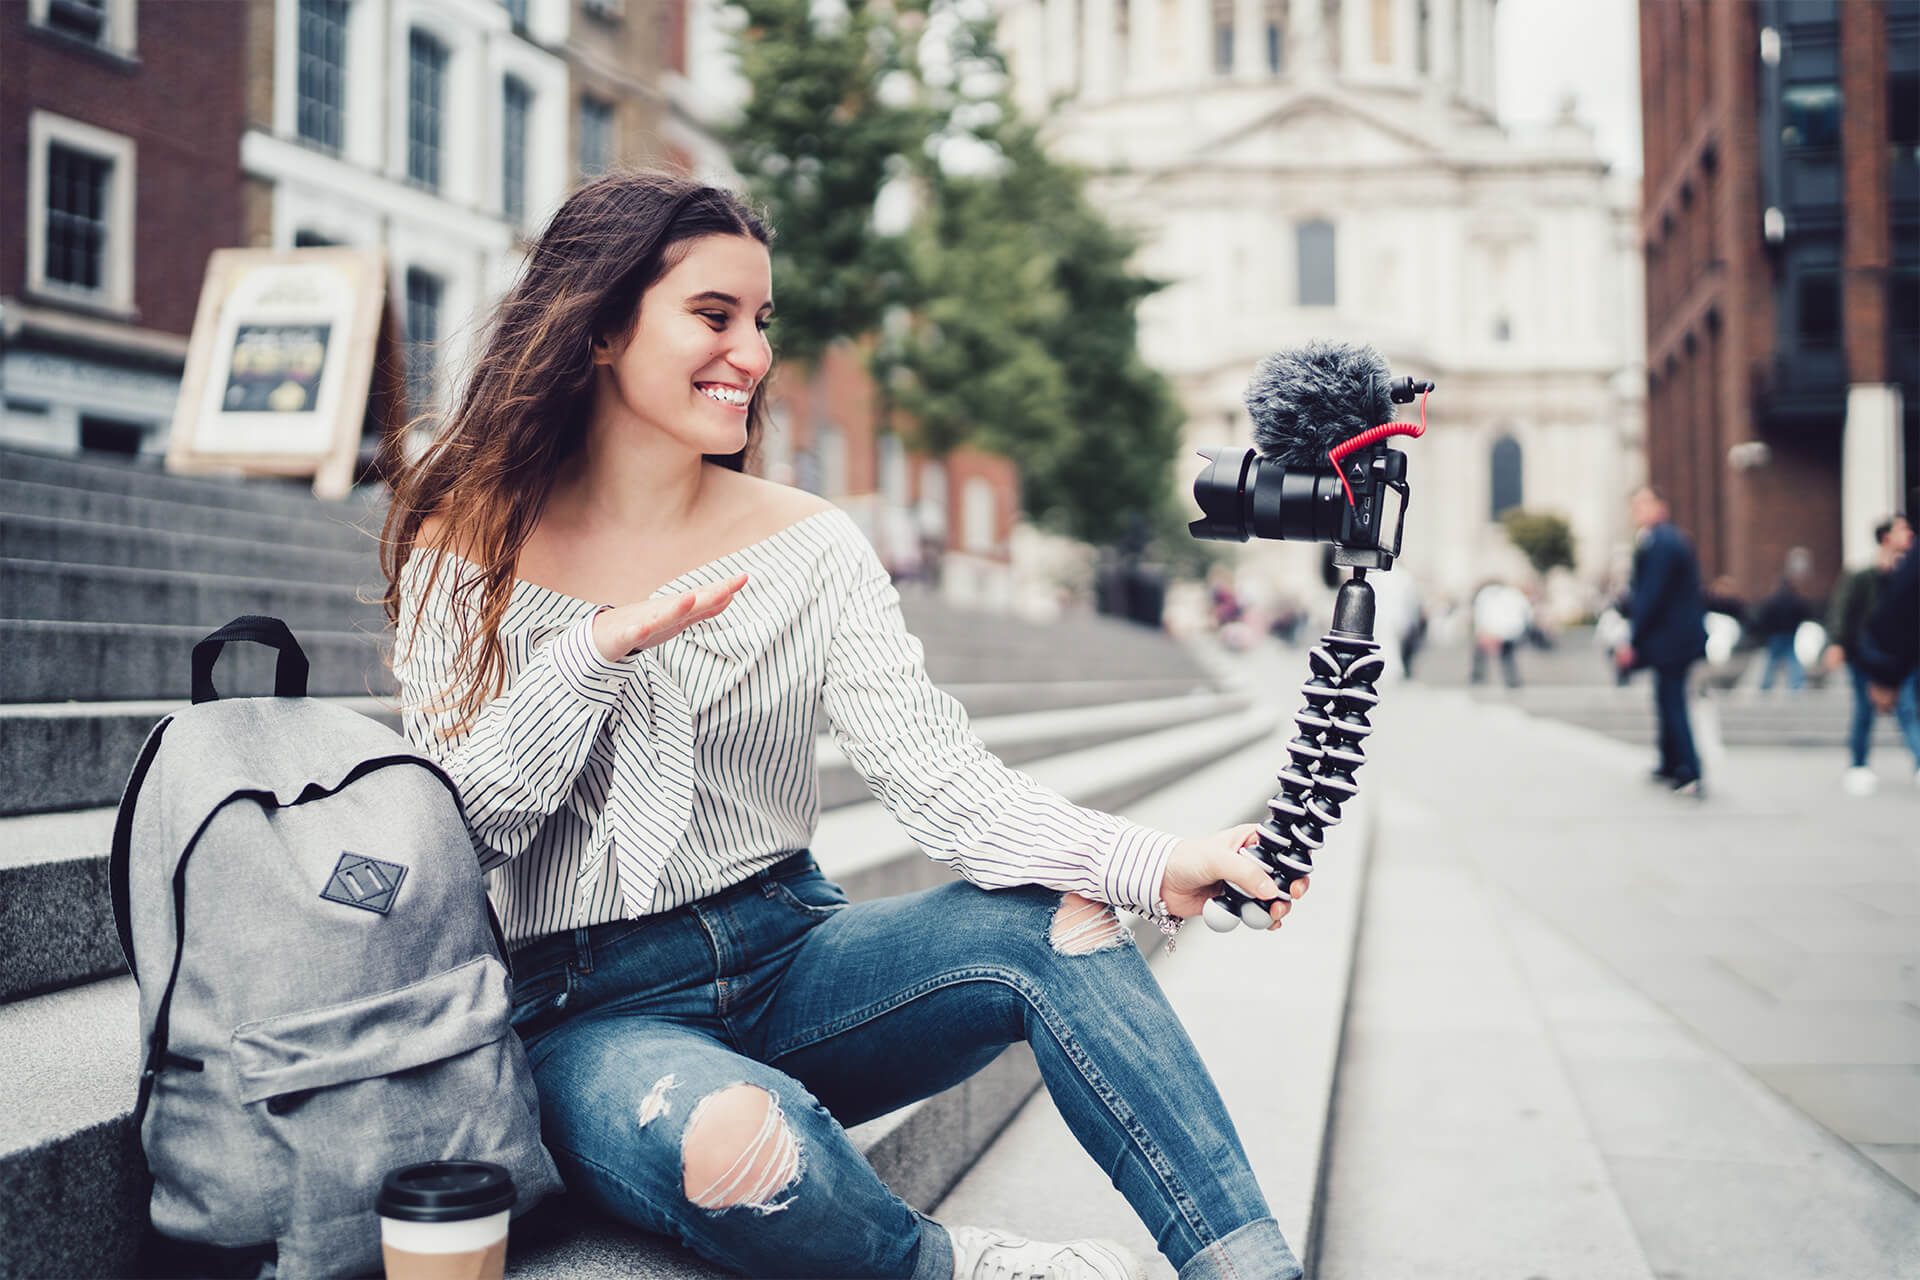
(629, 628)
(1199, 866)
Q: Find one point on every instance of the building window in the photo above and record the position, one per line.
(1505, 486)
(1903, 308)
(77, 192)
(1314, 241)
(323, 72)
(81, 19)
(1276, 35)
(979, 516)
(80, 185)
(305, 239)
(596, 136)
(1502, 329)
(518, 102)
(516, 13)
(1818, 315)
(109, 435)
(1223, 37)
(426, 96)
(423, 336)
(1903, 117)
(1810, 115)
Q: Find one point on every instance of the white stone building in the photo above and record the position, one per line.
(1333, 168)
(435, 130)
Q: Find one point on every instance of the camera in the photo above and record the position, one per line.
(1353, 496)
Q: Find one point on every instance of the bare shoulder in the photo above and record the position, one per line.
(762, 508)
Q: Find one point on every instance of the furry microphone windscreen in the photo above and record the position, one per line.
(1307, 400)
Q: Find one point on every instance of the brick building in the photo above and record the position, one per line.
(119, 122)
(1781, 226)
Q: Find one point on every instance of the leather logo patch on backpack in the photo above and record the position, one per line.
(368, 883)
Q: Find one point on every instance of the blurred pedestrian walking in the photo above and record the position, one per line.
(1855, 602)
(1668, 615)
(1777, 619)
(1501, 617)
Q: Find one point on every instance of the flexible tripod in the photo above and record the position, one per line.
(1318, 778)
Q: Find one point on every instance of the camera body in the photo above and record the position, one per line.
(1358, 503)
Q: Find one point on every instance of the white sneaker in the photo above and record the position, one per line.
(980, 1254)
(1859, 781)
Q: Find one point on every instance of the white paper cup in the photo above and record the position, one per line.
(446, 1220)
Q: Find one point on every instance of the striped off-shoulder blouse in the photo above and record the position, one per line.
(599, 790)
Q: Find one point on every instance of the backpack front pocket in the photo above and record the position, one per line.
(348, 1092)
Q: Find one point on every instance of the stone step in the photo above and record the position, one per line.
(54, 592)
(53, 902)
(84, 542)
(75, 752)
(343, 528)
(1036, 1180)
(268, 495)
(109, 662)
(65, 1136)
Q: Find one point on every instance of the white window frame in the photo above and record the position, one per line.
(44, 129)
(119, 36)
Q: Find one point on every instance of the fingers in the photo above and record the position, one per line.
(1249, 877)
(653, 622)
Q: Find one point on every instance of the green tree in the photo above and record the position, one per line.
(1543, 537)
(815, 142)
(1006, 312)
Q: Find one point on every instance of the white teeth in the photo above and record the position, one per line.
(726, 395)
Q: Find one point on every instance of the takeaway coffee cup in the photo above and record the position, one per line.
(445, 1220)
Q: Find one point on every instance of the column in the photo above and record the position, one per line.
(1250, 39)
(1098, 49)
(1143, 46)
(1062, 49)
(1871, 467)
(1196, 18)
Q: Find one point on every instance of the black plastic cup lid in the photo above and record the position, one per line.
(446, 1191)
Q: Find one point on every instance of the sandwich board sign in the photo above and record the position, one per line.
(281, 364)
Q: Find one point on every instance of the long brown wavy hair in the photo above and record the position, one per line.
(488, 472)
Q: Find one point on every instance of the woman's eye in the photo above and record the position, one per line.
(718, 319)
(764, 323)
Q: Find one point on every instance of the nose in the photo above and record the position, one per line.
(751, 354)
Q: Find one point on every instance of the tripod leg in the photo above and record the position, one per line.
(1318, 780)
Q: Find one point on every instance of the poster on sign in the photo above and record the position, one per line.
(281, 364)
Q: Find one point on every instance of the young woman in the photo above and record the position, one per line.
(615, 641)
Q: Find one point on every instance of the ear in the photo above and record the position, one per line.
(600, 350)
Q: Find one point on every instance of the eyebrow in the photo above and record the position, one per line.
(714, 295)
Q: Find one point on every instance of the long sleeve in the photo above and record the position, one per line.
(994, 825)
(1652, 585)
(518, 762)
(1889, 641)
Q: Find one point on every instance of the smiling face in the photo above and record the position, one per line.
(697, 349)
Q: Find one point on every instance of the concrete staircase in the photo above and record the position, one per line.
(108, 575)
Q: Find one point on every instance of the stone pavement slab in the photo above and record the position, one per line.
(1776, 920)
(1459, 1148)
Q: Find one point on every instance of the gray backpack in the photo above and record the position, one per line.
(323, 993)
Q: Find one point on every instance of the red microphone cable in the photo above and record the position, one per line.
(1373, 435)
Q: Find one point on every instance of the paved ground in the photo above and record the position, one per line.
(1601, 1031)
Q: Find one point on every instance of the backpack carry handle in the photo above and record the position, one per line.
(289, 674)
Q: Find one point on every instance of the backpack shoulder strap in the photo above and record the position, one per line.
(117, 870)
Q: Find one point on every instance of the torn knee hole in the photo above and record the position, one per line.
(738, 1151)
(1082, 926)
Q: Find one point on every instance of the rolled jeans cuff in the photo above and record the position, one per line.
(934, 1258)
(1255, 1250)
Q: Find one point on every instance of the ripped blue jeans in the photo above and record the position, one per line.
(836, 1014)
